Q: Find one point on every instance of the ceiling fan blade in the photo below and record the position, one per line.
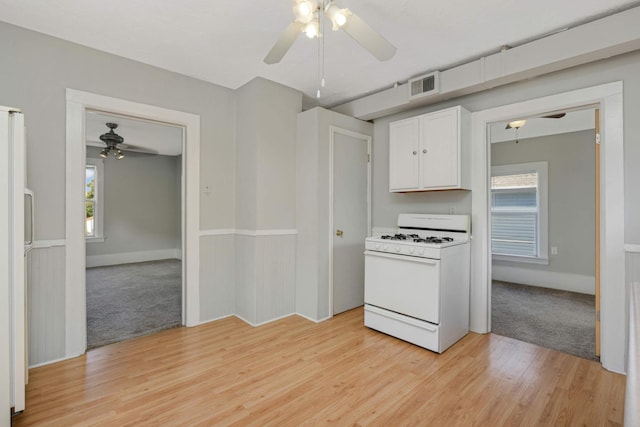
(555, 116)
(361, 32)
(284, 43)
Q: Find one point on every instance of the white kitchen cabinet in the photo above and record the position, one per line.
(430, 152)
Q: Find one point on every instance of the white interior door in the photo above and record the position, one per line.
(351, 218)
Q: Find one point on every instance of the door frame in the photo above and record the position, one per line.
(333, 130)
(77, 103)
(608, 98)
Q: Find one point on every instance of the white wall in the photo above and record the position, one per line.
(571, 213)
(312, 207)
(141, 209)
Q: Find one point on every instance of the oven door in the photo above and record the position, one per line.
(404, 284)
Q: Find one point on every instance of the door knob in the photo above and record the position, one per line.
(339, 233)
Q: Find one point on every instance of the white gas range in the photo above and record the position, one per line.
(417, 281)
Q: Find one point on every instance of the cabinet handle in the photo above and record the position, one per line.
(424, 151)
(415, 152)
(339, 233)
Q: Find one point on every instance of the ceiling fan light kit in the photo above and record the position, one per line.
(516, 124)
(307, 19)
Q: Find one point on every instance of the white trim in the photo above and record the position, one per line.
(542, 170)
(49, 362)
(545, 279)
(244, 232)
(255, 325)
(44, 244)
(632, 249)
(77, 104)
(204, 322)
(613, 296)
(131, 257)
(218, 232)
(313, 320)
(332, 131)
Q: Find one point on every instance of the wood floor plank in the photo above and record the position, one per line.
(295, 372)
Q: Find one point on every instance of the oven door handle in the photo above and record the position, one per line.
(401, 257)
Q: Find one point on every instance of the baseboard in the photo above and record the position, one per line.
(130, 257)
(204, 322)
(547, 279)
(312, 319)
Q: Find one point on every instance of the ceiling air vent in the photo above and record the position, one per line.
(424, 85)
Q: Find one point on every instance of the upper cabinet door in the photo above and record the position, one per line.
(430, 152)
(404, 147)
(439, 155)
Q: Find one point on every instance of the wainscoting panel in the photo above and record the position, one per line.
(46, 299)
(217, 276)
(275, 277)
(245, 286)
(632, 393)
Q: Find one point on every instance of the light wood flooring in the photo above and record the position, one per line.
(295, 372)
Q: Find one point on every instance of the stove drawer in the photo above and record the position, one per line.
(403, 284)
(418, 332)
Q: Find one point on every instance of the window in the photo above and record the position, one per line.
(519, 212)
(94, 208)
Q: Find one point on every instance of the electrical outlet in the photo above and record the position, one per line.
(554, 250)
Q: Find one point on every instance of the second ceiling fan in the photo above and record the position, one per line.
(307, 19)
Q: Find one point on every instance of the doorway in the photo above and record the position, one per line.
(75, 281)
(133, 227)
(543, 221)
(612, 272)
(350, 223)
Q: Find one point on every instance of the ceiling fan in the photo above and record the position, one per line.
(307, 19)
(115, 144)
(517, 124)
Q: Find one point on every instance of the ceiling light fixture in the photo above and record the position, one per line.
(337, 16)
(112, 140)
(304, 10)
(516, 124)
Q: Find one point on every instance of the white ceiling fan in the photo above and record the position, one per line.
(307, 19)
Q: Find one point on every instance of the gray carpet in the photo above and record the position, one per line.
(131, 300)
(560, 320)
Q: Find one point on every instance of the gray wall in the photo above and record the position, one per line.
(141, 204)
(266, 153)
(571, 195)
(35, 78)
(36, 71)
(386, 206)
(265, 200)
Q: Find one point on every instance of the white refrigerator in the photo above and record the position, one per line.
(16, 237)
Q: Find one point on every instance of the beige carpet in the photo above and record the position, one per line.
(131, 300)
(561, 320)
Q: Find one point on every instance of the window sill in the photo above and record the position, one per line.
(97, 239)
(522, 259)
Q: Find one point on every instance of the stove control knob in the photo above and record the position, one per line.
(385, 248)
(410, 250)
(398, 248)
(421, 252)
(377, 245)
